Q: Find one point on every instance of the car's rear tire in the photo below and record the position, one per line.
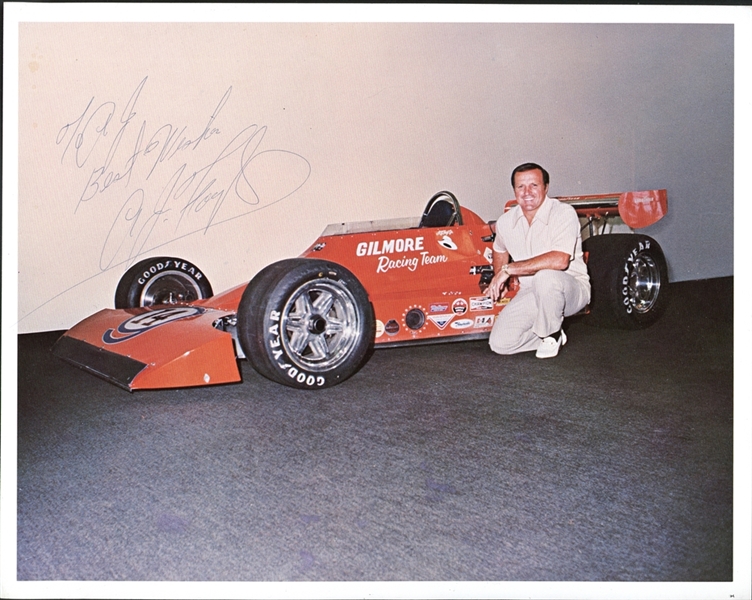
(629, 280)
(306, 323)
(161, 280)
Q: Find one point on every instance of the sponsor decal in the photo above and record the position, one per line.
(503, 301)
(387, 264)
(379, 328)
(481, 303)
(438, 308)
(483, 321)
(447, 243)
(441, 321)
(386, 249)
(392, 327)
(459, 306)
(462, 324)
(274, 344)
(410, 263)
(147, 321)
(376, 247)
(451, 293)
(427, 259)
(173, 265)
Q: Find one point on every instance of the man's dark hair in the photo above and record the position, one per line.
(530, 167)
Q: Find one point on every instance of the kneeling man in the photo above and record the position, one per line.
(542, 236)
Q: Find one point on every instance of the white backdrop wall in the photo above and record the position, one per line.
(234, 145)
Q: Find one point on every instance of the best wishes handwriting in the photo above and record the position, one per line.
(152, 203)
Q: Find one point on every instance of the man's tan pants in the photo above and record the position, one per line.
(537, 311)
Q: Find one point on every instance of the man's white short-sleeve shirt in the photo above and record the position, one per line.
(555, 226)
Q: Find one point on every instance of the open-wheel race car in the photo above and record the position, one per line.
(311, 322)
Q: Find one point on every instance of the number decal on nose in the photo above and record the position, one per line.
(147, 321)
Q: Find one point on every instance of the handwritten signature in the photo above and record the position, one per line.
(170, 199)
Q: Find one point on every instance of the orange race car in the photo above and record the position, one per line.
(311, 322)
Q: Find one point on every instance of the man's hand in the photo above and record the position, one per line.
(497, 285)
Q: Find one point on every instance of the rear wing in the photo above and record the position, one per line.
(636, 209)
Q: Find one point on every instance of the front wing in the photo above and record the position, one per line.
(150, 348)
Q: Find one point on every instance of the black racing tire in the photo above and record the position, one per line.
(306, 323)
(161, 280)
(628, 278)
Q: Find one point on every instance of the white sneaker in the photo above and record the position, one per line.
(549, 347)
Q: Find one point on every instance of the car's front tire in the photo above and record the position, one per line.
(161, 280)
(629, 280)
(306, 323)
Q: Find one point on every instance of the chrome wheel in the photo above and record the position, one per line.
(644, 283)
(170, 287)
(161, 280)
(320, 325)
(628, 280)
(306, 323)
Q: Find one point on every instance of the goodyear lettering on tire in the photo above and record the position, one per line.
(628, 265)
(274, 344)
(175, 264)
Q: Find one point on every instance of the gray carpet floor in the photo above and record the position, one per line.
(611, 462)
